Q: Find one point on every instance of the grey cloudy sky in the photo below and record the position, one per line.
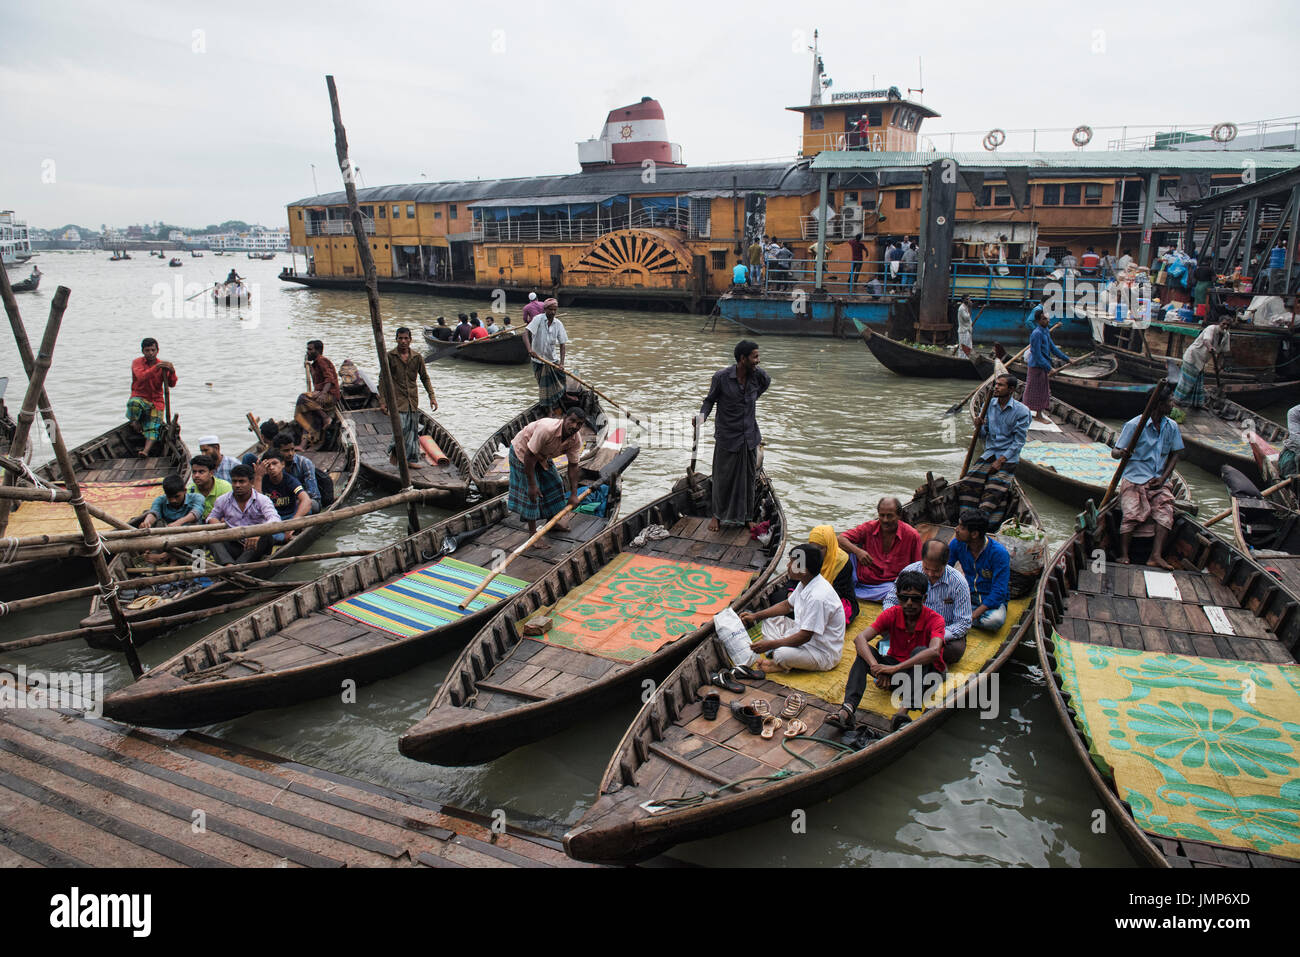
(145, 119)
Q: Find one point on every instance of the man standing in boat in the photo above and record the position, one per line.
(1003, 426)
(536, 489)
(1213, 344)
(735, 391)
(407, 369)
(542, 336)
(144, 409)
(965, 327)
(1145, 498)
(315, 410)
(1038, 389)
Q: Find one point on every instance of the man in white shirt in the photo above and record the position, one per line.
(813, 640)
(965, 327)
(541, 337)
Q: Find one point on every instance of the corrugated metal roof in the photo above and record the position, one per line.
(770, 178)
(1073, 161)
(539, 200)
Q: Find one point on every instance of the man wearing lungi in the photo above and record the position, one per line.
(541, 337)
(1145, 497)
(1212, 343)
(314, 410)
(735, 391)
(536, 489)
(1038, 392)
(144, 409)
(407, 369)
(1003, 425)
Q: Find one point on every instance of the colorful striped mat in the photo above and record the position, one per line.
(427, 598)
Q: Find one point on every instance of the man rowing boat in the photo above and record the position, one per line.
(541, 337)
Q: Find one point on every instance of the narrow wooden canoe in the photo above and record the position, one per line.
(490, 467)
(296, 648)
(504, 349)
(1266, 529)
(935, 507)
(1208, 649)
(1217, 435)
(507, 690)
(375, 434)
(902, 358)
(1051, 462)
(677, 776)
(113, 478)
(1152, 368)
(339, 460)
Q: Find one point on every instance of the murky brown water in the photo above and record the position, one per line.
(840, 430)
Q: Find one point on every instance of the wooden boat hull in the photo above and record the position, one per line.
(164, 698)
(1268, 529)
(1241, 584)
(345, 482)
(613, 833)
(505, 350)
(906, 360)
(456, 732)
(30, 284)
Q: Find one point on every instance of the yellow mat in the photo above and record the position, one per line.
(981, 646)
(1200, 748)
(122, 500)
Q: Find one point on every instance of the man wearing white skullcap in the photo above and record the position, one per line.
(210, 446)
(533, 308)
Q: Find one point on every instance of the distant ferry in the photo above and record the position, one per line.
(15, 245)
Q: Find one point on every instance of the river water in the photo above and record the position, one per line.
(840, 431)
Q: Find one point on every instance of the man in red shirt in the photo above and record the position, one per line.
(915, 635)
(314, 410)
(881, 549)
(149, 376)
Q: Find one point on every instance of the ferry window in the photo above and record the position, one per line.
(1092, 194)
(1002, 196)
(451, 211)
(869, 202)
(1052, 194)
(850, 198)
(397, 212)
(719, 258)
(903, 199)
(410, 212)
(816, 121)
(368, 212)
(437, 214)
(1073, 192)
(383, 212)
(518, 259)
(300, 214)
(986, 196)
(491, 257)
(873, 116)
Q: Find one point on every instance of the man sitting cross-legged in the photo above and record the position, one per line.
(811, 640)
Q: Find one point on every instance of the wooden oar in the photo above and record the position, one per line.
(1087, 355)
(616, 465)
(1264, 494)
(587, 385)
(1156, 395)
(957, 408)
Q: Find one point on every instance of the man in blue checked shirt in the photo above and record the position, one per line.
(1145, 499)
(987, 566)
(1003, 425)
(1042, 350)
(949, 596)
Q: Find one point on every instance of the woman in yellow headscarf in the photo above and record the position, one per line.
(836, 568)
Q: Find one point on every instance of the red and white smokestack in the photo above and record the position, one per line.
(632, 134)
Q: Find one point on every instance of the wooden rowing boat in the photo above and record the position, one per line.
(296, 648)
(375, 435)
(1043, 460)
(490, 467)
(1260, 354)
(903, 358)
(935, 507)
(1169, 691)
(676, 776)
(1266, 528)
(113, 478)
(507, 690)
(505, 349)
(1220, 434)
(337, 458)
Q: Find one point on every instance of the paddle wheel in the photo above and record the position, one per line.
(640, 257)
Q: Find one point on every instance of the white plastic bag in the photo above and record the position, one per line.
(733, 637)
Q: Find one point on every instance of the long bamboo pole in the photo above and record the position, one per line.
(1156, 396)
(1268, 491)
(587, 385)
(121, 627)
(372, 297)
(218, 571)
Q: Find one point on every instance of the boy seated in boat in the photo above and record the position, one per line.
(949, 595)
(174, 506)
(811, 640)
(986, 564)
(915, 635)
(1146, 500)
(204, 482)
(290, 499)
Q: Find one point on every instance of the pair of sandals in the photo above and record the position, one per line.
(728, 678)
(757, 716)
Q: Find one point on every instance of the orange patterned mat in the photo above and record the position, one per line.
(122, 500)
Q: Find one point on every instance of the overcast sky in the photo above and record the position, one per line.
(197, 113)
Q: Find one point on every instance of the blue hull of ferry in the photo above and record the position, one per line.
(828, 318)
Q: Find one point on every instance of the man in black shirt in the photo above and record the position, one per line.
(735, 391)
(286, 493)
(441, 331)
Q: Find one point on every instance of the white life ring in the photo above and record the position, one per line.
(1082, 136)
(1224, 132)
(840, 143)
(993, 139)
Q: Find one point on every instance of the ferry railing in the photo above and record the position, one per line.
(337, 227)
(1009, 282)
(843, 225)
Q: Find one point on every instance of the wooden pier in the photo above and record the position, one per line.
(84, 792)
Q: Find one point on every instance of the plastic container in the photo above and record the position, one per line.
(1277, 258)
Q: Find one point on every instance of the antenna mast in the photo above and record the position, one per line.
(815, 98)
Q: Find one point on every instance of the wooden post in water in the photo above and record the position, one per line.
(934, 263)
(372, 297)
(36, 387)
